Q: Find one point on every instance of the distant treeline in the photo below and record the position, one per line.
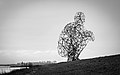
(33, 63)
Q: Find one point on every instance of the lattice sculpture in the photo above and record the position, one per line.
(74, 38)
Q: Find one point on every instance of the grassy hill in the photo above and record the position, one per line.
(109, 65)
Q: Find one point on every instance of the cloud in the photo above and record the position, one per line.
(27, 55)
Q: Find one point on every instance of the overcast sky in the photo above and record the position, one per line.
(29, 29)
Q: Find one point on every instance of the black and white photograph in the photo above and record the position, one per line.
(59, 37)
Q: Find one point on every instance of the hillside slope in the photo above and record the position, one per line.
(109, 65)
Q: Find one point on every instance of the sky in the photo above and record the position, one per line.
(29, 29)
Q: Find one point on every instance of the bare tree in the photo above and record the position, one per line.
(74, 38)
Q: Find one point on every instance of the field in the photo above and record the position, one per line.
(108, 65)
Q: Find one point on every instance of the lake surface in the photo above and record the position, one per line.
(6, 69)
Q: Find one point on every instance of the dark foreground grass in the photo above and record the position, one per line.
(109, 65)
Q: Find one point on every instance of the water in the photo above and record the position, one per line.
(6, 69)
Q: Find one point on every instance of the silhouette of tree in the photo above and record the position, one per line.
(74, 38)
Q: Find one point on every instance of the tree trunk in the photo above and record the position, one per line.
(72, 58)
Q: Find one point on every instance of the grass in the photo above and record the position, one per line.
(109, 65)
